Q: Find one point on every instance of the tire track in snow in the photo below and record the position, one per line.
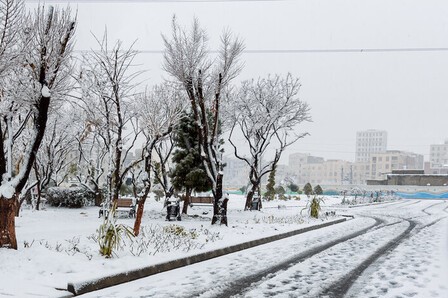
(426, 212)
(341, 287)
(242, 285)
(400, 204)
(356, 292)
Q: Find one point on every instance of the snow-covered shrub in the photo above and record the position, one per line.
(155, 239)
(73, 197)
(271, 219)
(347, 201)
(180, 231)
(72, 247)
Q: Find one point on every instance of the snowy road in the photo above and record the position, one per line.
(391, 250)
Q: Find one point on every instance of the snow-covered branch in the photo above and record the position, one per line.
(267, 112)
(204, 78)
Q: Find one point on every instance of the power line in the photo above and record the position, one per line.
(318, 51)
(152, 1)
(350, 50)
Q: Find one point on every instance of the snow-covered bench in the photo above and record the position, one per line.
(123, 203)
(203, 201)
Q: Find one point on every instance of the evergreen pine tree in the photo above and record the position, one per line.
(293, 187)
(188, 173)
(308, 189)
(318, 190)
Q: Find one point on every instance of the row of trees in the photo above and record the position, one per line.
(60, 118)
(35, 68)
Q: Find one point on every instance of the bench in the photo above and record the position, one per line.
(122, 203)
(203, 201)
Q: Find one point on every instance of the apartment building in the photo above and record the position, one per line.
(369, 142)
(329, 172)
(298, 166)
(361, 172)
(438, 155)
(384, 163)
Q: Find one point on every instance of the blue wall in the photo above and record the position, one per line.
(422, 195)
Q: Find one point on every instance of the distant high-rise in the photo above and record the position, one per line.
(438, 155)
(369, 142)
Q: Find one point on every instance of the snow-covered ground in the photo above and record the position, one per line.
(416, 265)
(57, 245)
(395, 249)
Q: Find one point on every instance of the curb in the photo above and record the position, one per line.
(372, 204)
(80, 288)
(347, 216)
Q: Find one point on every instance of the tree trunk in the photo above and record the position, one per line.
(20, 202)
(139, 215)
(219, 209)
(7, 222)
(186, 200)
(19, 205)
(98, 197)
(224, 212)
(250, 196)
(39, 195)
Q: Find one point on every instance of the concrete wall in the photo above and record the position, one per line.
(420, 180)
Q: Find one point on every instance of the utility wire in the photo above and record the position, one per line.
(154, 1)
(319, 51)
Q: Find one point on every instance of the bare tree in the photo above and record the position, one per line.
(56, 153)
(12, 41)
(12, 16)
(108, 84)
(267, 112)
(187, 59)
(92, 153)
(163, 150)
(160, 109)
(43, 78)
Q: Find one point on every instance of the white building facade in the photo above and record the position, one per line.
(369, 142)
(382, 164)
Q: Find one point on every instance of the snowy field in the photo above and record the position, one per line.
(395, 249)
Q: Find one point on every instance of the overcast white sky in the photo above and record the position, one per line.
(403, 92)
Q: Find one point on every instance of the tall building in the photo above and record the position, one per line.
(438, 155)
(369, 142)
(438, 159)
